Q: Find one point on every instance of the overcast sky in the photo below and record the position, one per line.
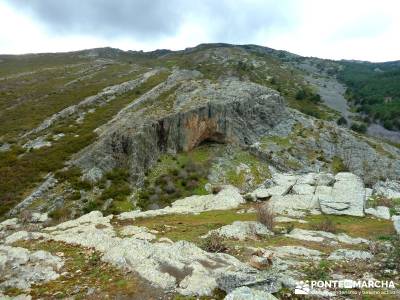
(350, 29)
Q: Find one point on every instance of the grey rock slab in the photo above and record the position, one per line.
(9, 224)
(287, 203)
(246, 293)
(323, 236)
(137, 232)
(228, 198)
(309, 178)
(347, 254)
(49, 183)
(303, 189)
(389, 189)
(37, 143)
(293, 252)
(182, 266)
(283, 219)
(381, 212)
(347, 196)
(326, 179)
(242, 230)
(21, 268)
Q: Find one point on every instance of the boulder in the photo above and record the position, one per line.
(264, 193)
(290, 203)
(137, 232)
(303, 189)
(381, 212)
(389, 189)
(326, 179)
(242, 230)
(309, 178)
(347, 196)
(246, 293)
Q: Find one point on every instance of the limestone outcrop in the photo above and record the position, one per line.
(194, 111)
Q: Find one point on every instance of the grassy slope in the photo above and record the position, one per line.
(20, 173)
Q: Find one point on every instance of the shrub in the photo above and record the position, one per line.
(338, 165)
(265, 215)
(361, 127)
(301, 95)
(60, 214)
(214, 243)
(341, 121)
(326, 225)
(90, 206)
(318, 272)
(117, 191)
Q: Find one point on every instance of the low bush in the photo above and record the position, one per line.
(326, 225)
(265, 215)
(359, 127)
(214, 243)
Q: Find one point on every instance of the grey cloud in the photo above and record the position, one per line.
(223, 20)
(140, 18)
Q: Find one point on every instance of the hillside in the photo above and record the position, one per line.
(182, 155)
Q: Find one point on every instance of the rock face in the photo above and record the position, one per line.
(347, 196)
(49, 182)
(230, 111)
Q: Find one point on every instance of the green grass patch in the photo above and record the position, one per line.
(365, 227)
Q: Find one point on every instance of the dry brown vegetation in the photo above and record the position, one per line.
(265, 215)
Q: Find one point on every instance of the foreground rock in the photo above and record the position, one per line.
(381, 212)
(242, 230)
(347, 254)
(180, 266)
(245, 293)
(389, 189)
(297, 195)
(324, 237)
(20, 268)
(228, 198)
